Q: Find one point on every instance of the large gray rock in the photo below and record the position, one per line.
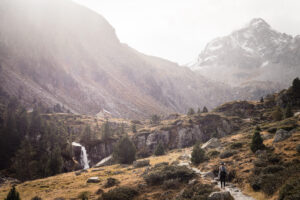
(281, 135)
(209, 175)
(212, 143)
(141, 163)
(220, 196)
(93, 180)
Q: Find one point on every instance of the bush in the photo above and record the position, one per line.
(120, 193)
(159, 150)
(236, 145)
(171, 184)
(143, 152)
(277, 114)
(157, 175)
(257, 142)
(36, 198)
(271, 169)
(191, 112)
(298, 148)
(83, 196)
(227, 154)
(197, 192)
(198, 155)
(291, 190)
(272, 130)
(288, 111)
(13, 194)
(213, 154)
(124, 151)
(110, 182)
(268, 183)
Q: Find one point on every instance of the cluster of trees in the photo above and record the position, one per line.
(30, 146)
(191, 111)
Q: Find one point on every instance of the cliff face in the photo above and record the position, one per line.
(182, 133)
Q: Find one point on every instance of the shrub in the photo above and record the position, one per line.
(277, 114)
(110, 182)
(227, 154)
(268, 183)
(236, 145)
(13, 194)
(271, 169)
(272, 130)
(198, 155)
(159, 150)
(36, 198)
(171, 184)
(143, 152)
(124, 151)
(213, 153)
(120, 193)
(84, 195)
(291, 190)
(298, 148)
(260, 163)
(197, 192)
(257, 142)
(288, 111)
(157, 175)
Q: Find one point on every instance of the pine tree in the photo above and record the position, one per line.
(288, 111)
(124, 151)
(205, 110)
(277, 114)
(198, 154)
(55, 163)
(159, 150)
(13, 194)
(257, 142)
(190, 111)
(261, 100)
(296, 87)
(199, 111)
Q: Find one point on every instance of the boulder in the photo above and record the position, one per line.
(141, 163)
(212, 143)
(94, 179)
(281, 135)
(220, 196)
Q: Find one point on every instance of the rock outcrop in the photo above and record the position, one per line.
(281, 135)
(220, 196)
(212, 143)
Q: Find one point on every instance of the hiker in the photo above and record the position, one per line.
(222, 174)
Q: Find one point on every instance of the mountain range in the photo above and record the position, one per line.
(59, 52)
(252, 54)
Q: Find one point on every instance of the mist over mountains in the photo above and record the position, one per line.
(59, 52)
(254, 53)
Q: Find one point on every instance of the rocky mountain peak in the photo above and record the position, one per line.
(258, 22)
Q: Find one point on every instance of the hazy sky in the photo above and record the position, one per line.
(179, 29)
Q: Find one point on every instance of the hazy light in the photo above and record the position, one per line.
(179, 29)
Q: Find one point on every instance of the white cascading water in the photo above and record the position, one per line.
(83, 156)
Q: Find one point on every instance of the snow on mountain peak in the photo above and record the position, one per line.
(258, 22)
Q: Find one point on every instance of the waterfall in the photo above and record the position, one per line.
(83, 156)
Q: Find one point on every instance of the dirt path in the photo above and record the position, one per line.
(234, 191)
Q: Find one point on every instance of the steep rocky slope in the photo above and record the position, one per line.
(253, 53)
(56, 51)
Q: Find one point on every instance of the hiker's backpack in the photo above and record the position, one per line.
(223, 170)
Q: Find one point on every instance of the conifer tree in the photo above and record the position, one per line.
(199, 111)
(13, 194)
(106, 132)
(124, 151)
(55, 162)
(198, 154)
(190, 111)
(133, 127)
(159, 150)
(205, 110)
(257, 142)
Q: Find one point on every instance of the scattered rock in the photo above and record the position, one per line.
(141, 163)
(94, 179)
(220, 196)
(281, 135)
(212, 143)
(97, 170)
